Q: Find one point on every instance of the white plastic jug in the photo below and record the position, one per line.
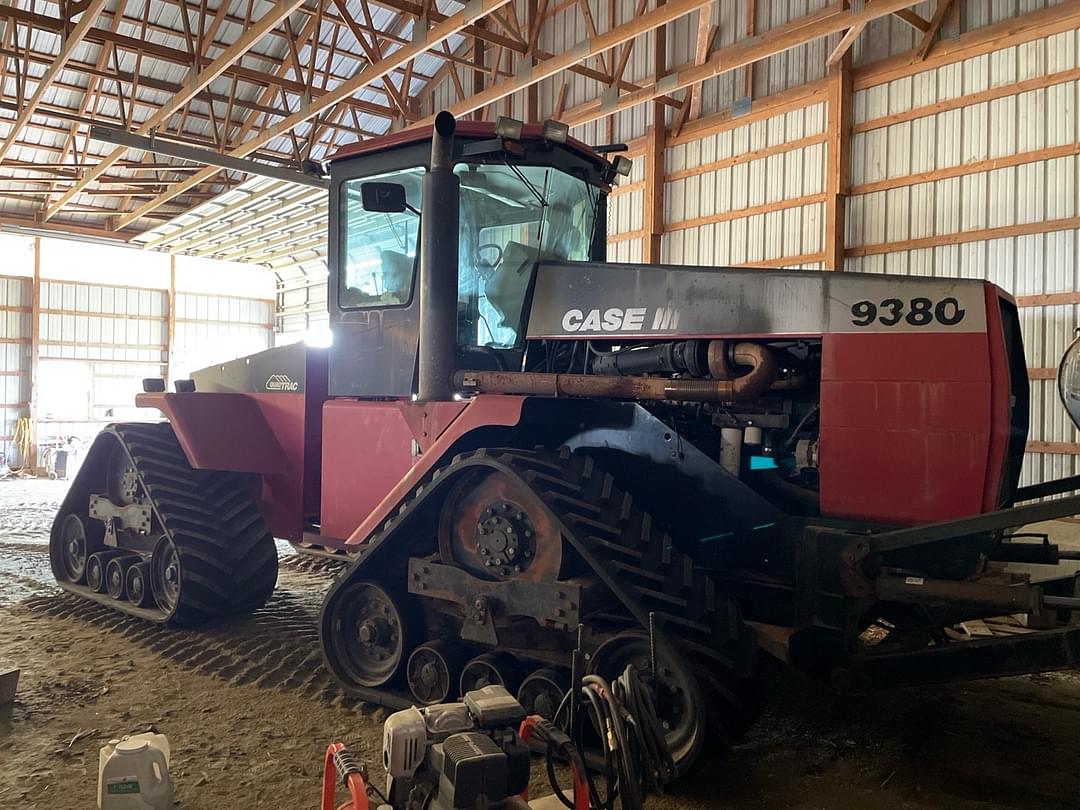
(133, 774)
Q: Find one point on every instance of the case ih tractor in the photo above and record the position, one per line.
(524, 448)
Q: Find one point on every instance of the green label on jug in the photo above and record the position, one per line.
(122, 786)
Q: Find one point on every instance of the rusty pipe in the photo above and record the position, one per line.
(763, 372)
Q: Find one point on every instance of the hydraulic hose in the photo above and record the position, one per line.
(637, 761)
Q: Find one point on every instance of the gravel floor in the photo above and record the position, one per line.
(249, 709)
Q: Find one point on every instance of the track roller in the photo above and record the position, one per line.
(543, 691)
(434, 671)
(96, 577)
(116, 574)
(491, 669)
(137, 585)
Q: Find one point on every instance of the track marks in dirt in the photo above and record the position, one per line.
(277, 647)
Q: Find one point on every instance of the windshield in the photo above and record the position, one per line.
(378, 249)
(511, 216)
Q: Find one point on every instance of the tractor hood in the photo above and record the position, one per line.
(607, 300)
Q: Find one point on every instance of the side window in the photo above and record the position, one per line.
(378, 261)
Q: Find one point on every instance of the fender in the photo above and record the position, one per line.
(220, 431)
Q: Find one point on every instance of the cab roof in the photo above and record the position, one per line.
(464, 129)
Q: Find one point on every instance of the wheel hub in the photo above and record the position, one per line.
(496, 528)
(505, 539)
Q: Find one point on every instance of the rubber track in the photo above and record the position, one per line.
(619, 541)
(228, 557)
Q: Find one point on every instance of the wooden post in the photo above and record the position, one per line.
(479, 64)
(655, 139)
(748, 78)
(838, 161)
(35, 353)
(170, 322)
(532, 101)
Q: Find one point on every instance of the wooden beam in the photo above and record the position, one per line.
(969, 99)
(844, 45)
(829, 20)
(970, 168)
(650, 21)
(837, 162)
(1048, 299)
(932, 30)
(655, 137)
(170, 322)
(1005, 34)
(35, 352)
(68, 47)
(912, 19)
(1056, 448)
(362, 78)
(965, 237)
(280, 10)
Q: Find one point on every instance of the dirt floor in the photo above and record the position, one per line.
(249, 709)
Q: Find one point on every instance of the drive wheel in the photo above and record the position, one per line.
(73, 549)
(495, 528)
(679, 701)
(369, 635)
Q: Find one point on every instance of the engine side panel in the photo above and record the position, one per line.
(905, 426)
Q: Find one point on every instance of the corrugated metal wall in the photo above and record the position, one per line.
(301, 303)
(211, 328)
(98, 340)
(15, 302)
(971, 170)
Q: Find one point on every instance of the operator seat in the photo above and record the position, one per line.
(397, 269)
(509, 283)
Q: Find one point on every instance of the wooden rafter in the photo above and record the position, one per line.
(649, 21)
(67, 48)
(912, 19)
(828, 20)
(436, 35)
(280, 10)
(931, 32)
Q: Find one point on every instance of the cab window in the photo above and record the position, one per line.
(511, 216)
(378, 262)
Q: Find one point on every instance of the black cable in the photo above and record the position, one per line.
(636, 759)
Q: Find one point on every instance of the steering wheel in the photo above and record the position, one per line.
(491, 246)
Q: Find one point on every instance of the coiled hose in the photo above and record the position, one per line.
(637, 761)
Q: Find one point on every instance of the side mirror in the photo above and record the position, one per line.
(384, 198)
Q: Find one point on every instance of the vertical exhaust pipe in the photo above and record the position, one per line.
(439, 266)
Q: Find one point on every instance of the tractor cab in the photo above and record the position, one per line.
(527, 192)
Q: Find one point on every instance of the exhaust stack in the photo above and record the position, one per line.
(438, 266)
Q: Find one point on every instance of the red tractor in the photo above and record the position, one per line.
(525, 450)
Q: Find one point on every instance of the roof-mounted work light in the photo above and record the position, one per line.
(555, 131)
(509, 128)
